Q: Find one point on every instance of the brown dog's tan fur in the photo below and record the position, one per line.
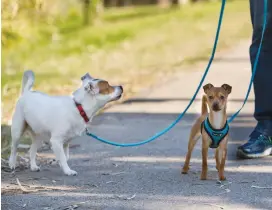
(216, 99)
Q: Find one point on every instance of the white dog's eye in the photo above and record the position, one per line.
(89, 87)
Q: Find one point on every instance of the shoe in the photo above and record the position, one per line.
(256, 148)
(252, 138)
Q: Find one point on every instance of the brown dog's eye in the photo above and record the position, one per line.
(211, 97)
(222, 97)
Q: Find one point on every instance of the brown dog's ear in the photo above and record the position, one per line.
(207, 87)
(227, 88)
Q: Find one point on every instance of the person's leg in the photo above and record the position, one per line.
(263, 77)
(260, 142)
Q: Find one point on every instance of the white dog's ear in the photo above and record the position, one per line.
(90, 88)
(86, 76)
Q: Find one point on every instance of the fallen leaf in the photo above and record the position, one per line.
(92, 185)
(258, 187)
(118, 173)
(115, 164)
(24, 189)
(126, 198)
(72, 207)
(47, 208)
(110, 182)
(210, 204)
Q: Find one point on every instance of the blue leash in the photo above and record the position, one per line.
(188, 106)
(157, 135)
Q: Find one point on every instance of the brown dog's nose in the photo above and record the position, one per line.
(215, 107)
(121, 87)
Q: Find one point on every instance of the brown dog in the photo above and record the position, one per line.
(213, 127)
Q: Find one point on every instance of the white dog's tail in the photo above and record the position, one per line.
(28, 81)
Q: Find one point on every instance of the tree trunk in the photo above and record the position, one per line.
(113, 3)
(175, 3)
(194, 1)
(86, 12)
(163, 3)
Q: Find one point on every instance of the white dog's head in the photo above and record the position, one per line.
(96, 89)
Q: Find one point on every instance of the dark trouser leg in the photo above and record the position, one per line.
(263, 77)
(260, 142)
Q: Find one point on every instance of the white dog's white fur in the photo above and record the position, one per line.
(55, 118)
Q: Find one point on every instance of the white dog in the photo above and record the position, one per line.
(57, 118)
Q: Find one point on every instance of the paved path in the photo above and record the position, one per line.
(148, 177)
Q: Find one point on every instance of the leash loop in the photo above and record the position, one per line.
(157, 135)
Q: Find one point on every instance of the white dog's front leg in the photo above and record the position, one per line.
(57, 147)
(66, 150)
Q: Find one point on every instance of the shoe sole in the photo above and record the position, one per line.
(242, 154)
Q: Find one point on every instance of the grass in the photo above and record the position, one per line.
(132, 46)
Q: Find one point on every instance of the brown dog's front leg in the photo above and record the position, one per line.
(222, 165)
(205, 148)
(185, 168)
(217, 158)
(194, 136)
(191, 144)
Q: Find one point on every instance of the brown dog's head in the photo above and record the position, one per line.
(217, 96)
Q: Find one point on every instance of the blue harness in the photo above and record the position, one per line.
(216, 135)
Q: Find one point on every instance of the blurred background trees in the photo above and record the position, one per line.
(52, 11)
(126, 41)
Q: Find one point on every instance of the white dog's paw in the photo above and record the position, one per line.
(12, 164)
(35, 168)
(70, 173)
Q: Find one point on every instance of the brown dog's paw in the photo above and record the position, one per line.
(185, 170)
(222, 178)
(203, 176)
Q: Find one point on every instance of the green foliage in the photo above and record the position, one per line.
(130, 45)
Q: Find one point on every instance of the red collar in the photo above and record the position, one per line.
(82, 112)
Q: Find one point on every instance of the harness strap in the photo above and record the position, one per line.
(216, 135)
